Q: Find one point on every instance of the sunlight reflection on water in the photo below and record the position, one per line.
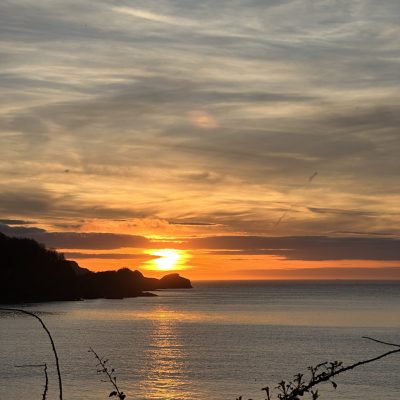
(165, 371)
(326, 317)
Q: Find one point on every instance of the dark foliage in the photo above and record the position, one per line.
(29, 272)
(115, 284)
(125, 283)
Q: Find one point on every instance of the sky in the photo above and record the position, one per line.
(224, 139)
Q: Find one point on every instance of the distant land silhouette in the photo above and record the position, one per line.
(31, 273)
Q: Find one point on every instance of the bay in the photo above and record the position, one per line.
(219, 340)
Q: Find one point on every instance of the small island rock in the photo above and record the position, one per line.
(174, 281)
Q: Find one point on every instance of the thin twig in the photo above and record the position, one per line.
(380, 341)
(51, 341)
(30, 366)
(46, 377)
(46, 385)
(111, 378)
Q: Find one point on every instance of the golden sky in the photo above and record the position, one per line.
(225, 140)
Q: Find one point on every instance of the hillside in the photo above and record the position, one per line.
(31, 273)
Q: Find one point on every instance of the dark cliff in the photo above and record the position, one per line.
(31, 273)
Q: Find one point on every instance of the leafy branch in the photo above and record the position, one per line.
(110, 373)
(323, 372)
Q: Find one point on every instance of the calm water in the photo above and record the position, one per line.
(217, 341)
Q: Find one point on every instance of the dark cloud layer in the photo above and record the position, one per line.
(108, 256)
(105, 241)
(40, 202)
(191, 223)
(14, 222)
(21, 231)
(309, 248)
(317, 248)
(75, 240)
(389, 273)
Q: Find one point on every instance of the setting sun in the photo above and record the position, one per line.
(168, 259)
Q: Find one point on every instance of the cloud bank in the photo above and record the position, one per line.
(304, 248)
(208, 116)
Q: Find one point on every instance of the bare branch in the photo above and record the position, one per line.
(46, 377)
(380, 341)
(46, 386)
(51, 341)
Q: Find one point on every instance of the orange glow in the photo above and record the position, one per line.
(202, 119)
(206, 266)
(168, 259)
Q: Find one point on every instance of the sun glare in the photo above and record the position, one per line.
(168, 259)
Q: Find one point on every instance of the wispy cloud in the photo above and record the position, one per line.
(154, 17)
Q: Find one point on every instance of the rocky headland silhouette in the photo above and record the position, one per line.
(31, 273)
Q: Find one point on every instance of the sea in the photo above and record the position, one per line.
(219, 340)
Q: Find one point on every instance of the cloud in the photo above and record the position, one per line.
(346, 273)
(321, 210)
(76, 240)
(191, 223)
(108, 256)
(104, 241)
(305, 248)
(15, 222)
(29, 201)
(151, 16)
(41, 202)
(317, 248)
(106, 91)
(368, 233)
(20, 230)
